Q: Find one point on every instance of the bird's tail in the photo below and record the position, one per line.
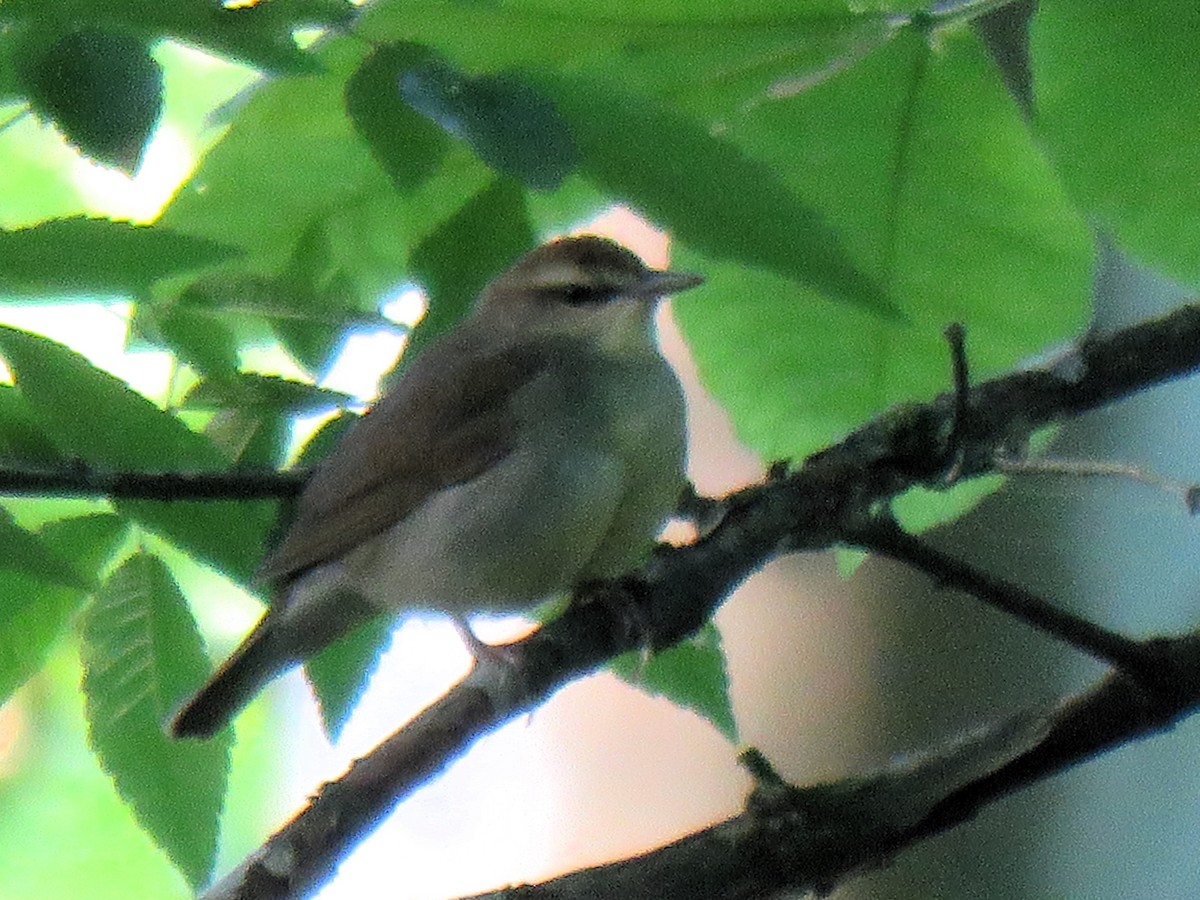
(258, 659)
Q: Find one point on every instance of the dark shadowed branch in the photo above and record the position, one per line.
(85, 481)
(796, 837)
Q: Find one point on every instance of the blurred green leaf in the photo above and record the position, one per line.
(102, 89)
(691, 674)
(253, 413)
(196, 337)
(1116, 106)
(407, 145)
(22, 439)
(259, 35)
(95, 417)
(938, 187)
(142, 656)
(34, 613)
(849, 560)
(22, 551)
(340, 672)
(919, 509)
(678, 52)
(98, 257)
(465, 252)
(290, 158)
(272, 392)
(708, 191)
(505, 119)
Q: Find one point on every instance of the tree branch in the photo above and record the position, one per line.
(799, 839)
(84, 481)
(828, 500)
(886, 538)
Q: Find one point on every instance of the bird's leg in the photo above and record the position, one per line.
(481, 649)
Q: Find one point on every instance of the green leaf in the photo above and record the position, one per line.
(407, 145)
(848, 560)
(960, 213)
(290, 157)
(708, 191)
(253, 413)
(919, 509)
(22, 439)
(97, 257)
(691, 674)
(95, 417)
(250, 390)
(259, 35)
(22, 551)
(141, 657)
(513, 127)
(33, 613)
(291, 164)
(495, 226)
(666, 47)
(340, 672)
(103, 90)
(196, 338)
(1116, 105)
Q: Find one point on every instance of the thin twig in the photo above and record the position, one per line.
(885, 537)
(84, 481)
(1085, 468)
(956, 337)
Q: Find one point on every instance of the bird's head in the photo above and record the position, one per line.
(587, 286)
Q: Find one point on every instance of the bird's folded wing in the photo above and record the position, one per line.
(448, 420)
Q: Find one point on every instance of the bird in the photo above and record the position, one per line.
(537, 445)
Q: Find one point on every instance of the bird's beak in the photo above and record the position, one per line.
(660, 284)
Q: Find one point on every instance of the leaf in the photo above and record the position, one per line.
(691, 674)
(22, 439)
(340, 672)
(849, 560)
(253, 413)
(707, 191)
(997, 247)
(196, 338)
(98, 257)
(919, 509)
(289, 158)
(103, 90)
(260, 35)
(1115, 101)
(495, 226)
(141, 656)
(292, 163)
(33, 613)
(250, 390)
(22, 551)
(507, 121)
(94, 415)
(97, 418)
(407, 145)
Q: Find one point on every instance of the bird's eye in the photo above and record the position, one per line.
(586, 294)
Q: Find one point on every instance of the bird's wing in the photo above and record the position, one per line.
(447, 420)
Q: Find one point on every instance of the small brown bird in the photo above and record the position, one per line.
(537, 444)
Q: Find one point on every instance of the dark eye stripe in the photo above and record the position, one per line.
(578, 294)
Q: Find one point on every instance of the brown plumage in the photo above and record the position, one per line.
(538, 442)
